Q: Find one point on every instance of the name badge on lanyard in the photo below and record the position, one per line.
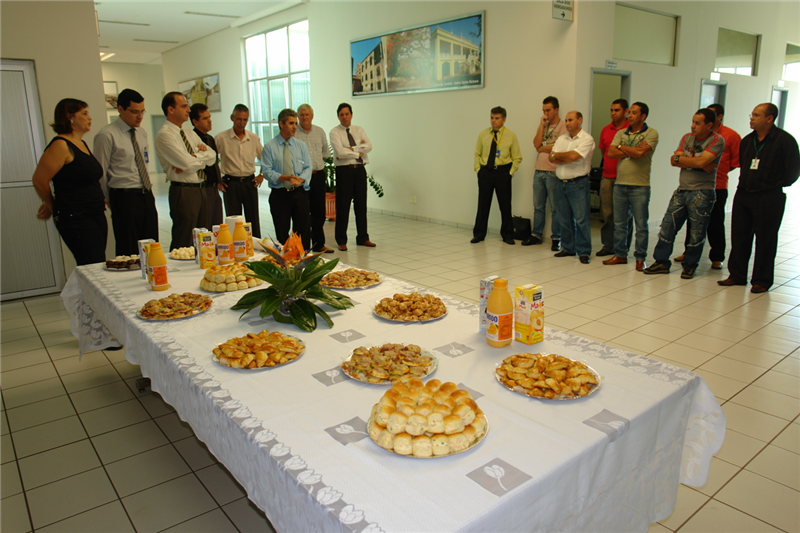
(754, 164)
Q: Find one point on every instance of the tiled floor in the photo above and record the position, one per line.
(83, 450)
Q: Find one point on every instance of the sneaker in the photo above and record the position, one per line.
(688, 273)
(657, 268)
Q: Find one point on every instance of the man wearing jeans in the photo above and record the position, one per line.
(545, 181)
(572, 153)
(634, 148)
(619, 121)
(697, 156)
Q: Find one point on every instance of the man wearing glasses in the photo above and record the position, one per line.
(121, 147)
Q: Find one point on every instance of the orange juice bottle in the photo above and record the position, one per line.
(157, 267)
(225, 245)
(240, 242)
(500, 315)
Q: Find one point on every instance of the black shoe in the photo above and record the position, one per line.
(556, 246)
(604, 252)
(509, 241)
(657, 268)
(533, 239)
(475, 239)
(564, 253)
(585, 259)
(688, 273)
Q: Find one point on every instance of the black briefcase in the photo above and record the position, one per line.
(522, 228)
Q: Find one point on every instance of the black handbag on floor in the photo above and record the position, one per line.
(522, 228)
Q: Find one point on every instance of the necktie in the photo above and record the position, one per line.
(141, 167)
(200, 173)
(353, 143)
(492, 151)
(287, 165)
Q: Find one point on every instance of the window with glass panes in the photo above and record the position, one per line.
(278, 75)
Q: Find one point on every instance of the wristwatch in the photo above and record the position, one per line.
(676, 158)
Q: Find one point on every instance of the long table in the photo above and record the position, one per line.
(295, 436)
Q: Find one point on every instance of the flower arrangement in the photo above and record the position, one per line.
(292, 287)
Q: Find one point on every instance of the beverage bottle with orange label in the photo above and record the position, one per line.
(240, 242)
(225, 246)
(157, 267)
(500, 315)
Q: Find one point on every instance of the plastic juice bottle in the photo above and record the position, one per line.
(157, 267)
(240, 242)
(500, 315)
(225, 245)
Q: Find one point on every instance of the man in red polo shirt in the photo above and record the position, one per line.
(619, 121)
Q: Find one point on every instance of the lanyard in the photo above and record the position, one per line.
(636, 137)
(496, 139)
(756, 147)
(547, 131)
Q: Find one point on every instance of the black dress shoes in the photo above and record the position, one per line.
(585, 259)
(475, 240)
(604, 252)
(564, 253)
(556, 245)
(533, 239)
(509, 241)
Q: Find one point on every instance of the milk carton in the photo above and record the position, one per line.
(487, 284)
(143, 253)
(529, 313)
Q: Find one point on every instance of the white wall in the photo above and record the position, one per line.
(423, 143)
(148, 80)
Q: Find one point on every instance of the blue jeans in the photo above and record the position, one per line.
(631, 200)
(544, 189)
(573, 206)
(694, 206)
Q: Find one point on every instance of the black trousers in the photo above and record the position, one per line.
(316, 201)
(84, 234)
(187, 208)
(759, 215)
(133, 217)
(716, 228)
(213, 206)
(290, 209)
(242, 192)
(497, 181)
(351, 186)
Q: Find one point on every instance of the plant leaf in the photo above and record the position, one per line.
(270, 305)
(302, 314)
(266, 270)
(310, 259)
(323, 314)
(283, 319)
(313, 275)
(275, 255)
(251, 300)
(329, 297)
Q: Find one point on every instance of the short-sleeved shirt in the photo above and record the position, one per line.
(582, 143)
(549, 137)
(730, 156)
(636, 172)
(607, 134)
(697, 179)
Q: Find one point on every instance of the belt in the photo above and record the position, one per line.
(318, 171)
(238, 178)
(140, 190)
(293, 189)
(576, 179)
(498, 167)
(352, 166)
(184, 184)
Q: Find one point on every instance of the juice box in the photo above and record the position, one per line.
(487, 284)
(215, 230)
(207, 249)
(248, 227)
(143, 252)
(529, 313)
(196, 242)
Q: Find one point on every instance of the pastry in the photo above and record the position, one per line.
(402, 444)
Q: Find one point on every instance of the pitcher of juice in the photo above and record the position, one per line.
(225, 245)
(240, 242)
(500, 315)
(157, 267)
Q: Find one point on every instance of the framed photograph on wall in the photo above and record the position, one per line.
(439, 56)
(202, 90)
(110, 91)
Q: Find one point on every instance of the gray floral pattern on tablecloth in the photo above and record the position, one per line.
(352, 430)
(498, 477)
(454, 349)
(331, 376)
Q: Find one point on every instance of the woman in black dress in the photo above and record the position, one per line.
(79, 205)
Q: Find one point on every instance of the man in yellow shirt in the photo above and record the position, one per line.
(497, 158)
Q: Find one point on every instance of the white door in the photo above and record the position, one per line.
(30, 249)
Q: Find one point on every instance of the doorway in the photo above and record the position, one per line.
(780, 96)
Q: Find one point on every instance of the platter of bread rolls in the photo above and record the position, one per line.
(227, 278)
(547, 376)
(427, 420)
(389, 363)
(259, 350)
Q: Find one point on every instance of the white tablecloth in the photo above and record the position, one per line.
(294, 436)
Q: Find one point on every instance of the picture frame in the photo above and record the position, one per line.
(202, 90)
(110, 91)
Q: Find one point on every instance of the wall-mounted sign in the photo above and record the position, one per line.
(563, 9)
(610, 63)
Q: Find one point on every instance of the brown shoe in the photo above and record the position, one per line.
(758, 289)
(325, 250)
(370, 244)
(716, 265)
(729, 282)
(342, 247)
(678, 259)
(616, 260)
(640, 266)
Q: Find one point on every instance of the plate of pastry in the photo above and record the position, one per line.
(412, 307)
(174, 307)
(389, 363)
(259, 350)
(547, 376)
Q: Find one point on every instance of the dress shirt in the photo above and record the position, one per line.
(173, 155)
(342, 155)
(583, 143)
(506, 142)
(317, 143)
(238, 156)
(606, 137)
(114, 149)
(778, 161)
(212, 171)
(730, 156)
(272, 161)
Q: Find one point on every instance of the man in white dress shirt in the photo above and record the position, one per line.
(350, 148)
(183, 157)
(121, 147)
(239, 149)
(572, 153)
(317, 142)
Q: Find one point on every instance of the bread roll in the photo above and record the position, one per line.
(469, 402)
(402, 444)
(415, 383)
(449, 402)
(374, 430)
(382, 414)
(397, 422)
(400, 387)
(221, 287)
(230, 278)
(386, 401)
(452, 424)
(440, 396)
(458, 442)
(394, 394)
(479, 424)
(385, 440)
(470, 433)
(443, 410)
(240, 277)
(433, 385)
(416, 425)
(435, 423)
(424, 394)
(425, 408)
(251, 282)
(421, 446)
(465, 412)
(440, 445)
(459, 394)
(232, 287)
(450, 387)
(241, 285)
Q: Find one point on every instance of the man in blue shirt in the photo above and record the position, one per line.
(286, 164)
